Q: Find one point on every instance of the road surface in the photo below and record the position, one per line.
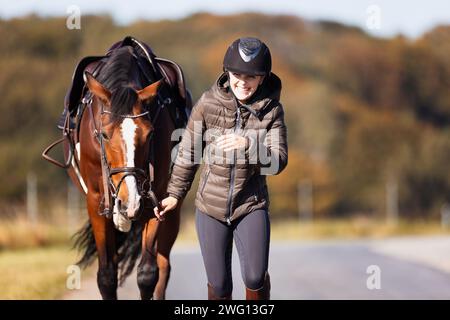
(409, 268)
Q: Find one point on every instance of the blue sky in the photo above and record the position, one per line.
(411, 18)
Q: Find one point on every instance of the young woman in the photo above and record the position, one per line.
(239, 116)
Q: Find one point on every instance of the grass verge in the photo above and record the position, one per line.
(349, 228)
(355, 228)
(37, 273)
(19, 233)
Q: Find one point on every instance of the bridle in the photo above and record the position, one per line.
(143, 178)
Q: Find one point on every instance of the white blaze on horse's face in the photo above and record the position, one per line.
(128, 129)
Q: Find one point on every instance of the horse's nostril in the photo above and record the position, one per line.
(134, 211)
(122, 206)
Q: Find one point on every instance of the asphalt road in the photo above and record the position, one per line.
(410, 268)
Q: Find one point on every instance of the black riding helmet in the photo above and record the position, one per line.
(248, 56)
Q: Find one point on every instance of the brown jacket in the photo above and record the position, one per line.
(229, 189)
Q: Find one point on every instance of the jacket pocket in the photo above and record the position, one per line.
(205, 180)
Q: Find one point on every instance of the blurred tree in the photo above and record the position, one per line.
(359, 110)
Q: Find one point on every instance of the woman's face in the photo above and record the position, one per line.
(243, 85)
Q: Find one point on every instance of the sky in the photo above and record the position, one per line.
(384, 18)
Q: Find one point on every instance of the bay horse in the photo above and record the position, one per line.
(124, 160)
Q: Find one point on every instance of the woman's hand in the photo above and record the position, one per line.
(167, 204)
(231, 141)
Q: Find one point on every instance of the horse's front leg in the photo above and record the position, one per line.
(167, 234)
(147, 270)
(104, 234)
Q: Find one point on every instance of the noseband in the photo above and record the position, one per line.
(145, 180)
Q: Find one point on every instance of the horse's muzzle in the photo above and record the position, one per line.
(131, 212)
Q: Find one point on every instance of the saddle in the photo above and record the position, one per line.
(177, 97)
(180, 104)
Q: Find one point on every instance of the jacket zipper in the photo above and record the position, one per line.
(204, 181)
(233, 168)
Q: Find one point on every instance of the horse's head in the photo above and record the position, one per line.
(125, 133)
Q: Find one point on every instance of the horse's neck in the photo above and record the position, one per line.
(163, 132)
(163, 148)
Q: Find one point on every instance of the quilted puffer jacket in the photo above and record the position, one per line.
(232, 184)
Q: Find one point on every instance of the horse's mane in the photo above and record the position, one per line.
(119, 75)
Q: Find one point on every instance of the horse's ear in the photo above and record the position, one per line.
(97, 88)
(149, 91)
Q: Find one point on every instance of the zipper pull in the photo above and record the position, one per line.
(228, 221)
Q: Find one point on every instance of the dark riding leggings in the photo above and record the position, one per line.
(251, 235)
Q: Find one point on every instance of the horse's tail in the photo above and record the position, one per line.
(83, 241)
(128, 247)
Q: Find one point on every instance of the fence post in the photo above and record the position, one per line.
(32, 198)
(73, 206)
(392, 201)
(445, 216)
(305, 200)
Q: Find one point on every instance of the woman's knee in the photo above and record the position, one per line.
(254, 280)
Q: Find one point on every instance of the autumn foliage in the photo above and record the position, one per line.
(361, 111)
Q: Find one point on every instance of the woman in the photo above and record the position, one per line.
(239, 116)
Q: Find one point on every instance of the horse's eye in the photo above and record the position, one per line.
(146, 106)
(104, 135)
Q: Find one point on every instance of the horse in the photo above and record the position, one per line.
(124, 159)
